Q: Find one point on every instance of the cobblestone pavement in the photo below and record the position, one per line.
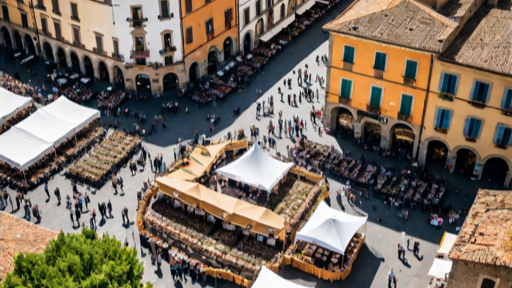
(379, 254)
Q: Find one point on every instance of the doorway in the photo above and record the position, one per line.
(18, 41)
(193, 72)
(104, 75)
(48, 52)
(62, 58)
(170, 84)
(6, 35)
(437, 152)
(212, 62)
(228, 43)
(89, 69)
(495, 170)
(403, 141)
(118, 78)
(247, 43)
(372, 135)
(30, 48)
(143, 84)
(75, 62)
(466, 160)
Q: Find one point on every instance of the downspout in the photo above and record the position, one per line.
(31, 7)
(425, 106)
(237, 12)
(183, 45)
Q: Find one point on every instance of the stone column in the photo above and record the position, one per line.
(507, 179)
(422, 155)
(451, 159)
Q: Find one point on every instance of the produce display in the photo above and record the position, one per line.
(95, 167)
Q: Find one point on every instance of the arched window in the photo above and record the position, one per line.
(282, 11)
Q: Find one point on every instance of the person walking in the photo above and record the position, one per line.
(114, 184)
(47, 191)
(400, 249)
(125, 216)
(172, 264)
(179, 270)
(109, 208)
(18, 201)
(71, 214)
(57, 194)
(27, 207)
(77, 215)
(36, 213)
(92, 220)
(391, 278)
(87, 200)
(120, 184)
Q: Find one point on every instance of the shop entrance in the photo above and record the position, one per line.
(75, 62)
(193, 72)
(6, 37)
(212, 62)
(466, 160)
(227, 48)
(48, 52)
(170, 84)
(89, 70)
(143, 85)
(371, 135)
(437, 152)
(403, 141)
(495, 170)
(247, 43)
(344, 126)
(61, 58)
(118, 78)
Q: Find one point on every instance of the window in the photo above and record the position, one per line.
(247, 15)
(164, 9)
(167, 41)
(406, 104)
(209, 29)
(502, 135)
(74, 12)
(442, 119)
(375, 96)
(506, 102)
(228, 17)
(488, 283)
(168, 60)
(99, 43)
(56, 9)
(188, 6)
(283, 11)
(24, 20)
(346, 88)
(40, 3)
(5, 13)
(58, 34)
(269, 4)
(258, 8)
(480, 91)
(136, 13)
(411, 69)
(115, 43)
(44, 26)
(380, 61)
(448, 83)
(189, 35)
(140, 44)
(472, 127)
(349, 54)
(76, 35)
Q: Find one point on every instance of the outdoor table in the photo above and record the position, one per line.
(85, 80)
(220, 73)
(62, 81)
(74, 76)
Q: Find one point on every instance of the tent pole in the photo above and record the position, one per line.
(24, 176)
(342, 260)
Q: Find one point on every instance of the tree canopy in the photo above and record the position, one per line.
(78, 260)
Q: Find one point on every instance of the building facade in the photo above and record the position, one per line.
(469, 115)
(210, 35)
(260, 18)
(378, 82)
(150, 42)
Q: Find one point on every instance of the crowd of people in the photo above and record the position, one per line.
(14, 85)
(18, 117)
(78, 92)
(110, 100)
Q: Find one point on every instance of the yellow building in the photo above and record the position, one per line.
(210, 32)
(468, 120)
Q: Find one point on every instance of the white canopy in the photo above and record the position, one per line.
(32, 138)
(331, 229)
(440, 268)
(277, 28)
(10, 103)
(447, 243)
(256, 168)
(305, 6)
(268, 279)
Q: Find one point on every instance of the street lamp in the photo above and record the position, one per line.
(31, 6)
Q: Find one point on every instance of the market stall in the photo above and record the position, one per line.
(198, 162)
(446, 245)
(439, 271)
(11, 103)
(329, 241)
(267, 279)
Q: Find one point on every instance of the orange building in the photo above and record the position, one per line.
(210, 32)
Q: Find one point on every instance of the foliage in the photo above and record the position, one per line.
(78, 260)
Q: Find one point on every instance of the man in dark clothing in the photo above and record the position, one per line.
(77, 214)
(18, 201)
(109, 208)
(71, 216)
(47, 192)
(125, 215)
(57, 194)
(36, 213)
(155, 164)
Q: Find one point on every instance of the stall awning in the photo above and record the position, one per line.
(440, 268)
(446, 243)
(323, 2)
(199, 163)
(305, 6)
(10, 103)
(276, 29)
(267, 279)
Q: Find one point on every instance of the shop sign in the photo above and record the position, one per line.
(368, 114)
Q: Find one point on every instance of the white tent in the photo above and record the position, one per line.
(10, 103)
(268, 279)
(330, 229)
(446, 244)
(440, 268)
(257, 169)
(32, 138)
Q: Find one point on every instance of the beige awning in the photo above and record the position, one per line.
(262, 220)
(305, 6)
(277, 28)
(199, 163)
(323, 2)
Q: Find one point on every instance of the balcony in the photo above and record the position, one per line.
(470, 139)
(409, 81)
(168, 49)
(99, 51)
(40, 7)
(136, 22)
(444, 96)
(139, 54)
(500, 146)
(118, 56)
(343, 100)
(507, 112)
(78, 44)
(404, 117)
(379, 74)
(441, 130)
(347, 66)
(372, 109)
(477, 104)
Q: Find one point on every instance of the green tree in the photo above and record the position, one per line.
(78, 260)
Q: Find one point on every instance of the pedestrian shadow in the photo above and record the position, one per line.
(76, 227)
(159, 273)
(127, 225)
(102, 222)
(406, 263)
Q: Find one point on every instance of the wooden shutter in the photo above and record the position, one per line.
(58, 35)
(189, 35)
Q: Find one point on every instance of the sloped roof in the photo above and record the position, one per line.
(484, 237)
(485, 42)
(407, 23)
(20, 236)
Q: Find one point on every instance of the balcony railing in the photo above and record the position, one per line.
(409, 81)
(139, 54)
(404, 117)
(372, 109)
(136, 22)
(477, 104)
(500, 146)
(78, 44)
(444, 96)
(441, 130)
(470, 139)
(99, 51)
(379, 74)
(347, 66)
(168, 49)
(507, 112)
(343, 100)
(118, 56)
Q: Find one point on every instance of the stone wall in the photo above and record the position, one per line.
(471, 275)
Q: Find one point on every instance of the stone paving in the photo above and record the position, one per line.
(379, 254)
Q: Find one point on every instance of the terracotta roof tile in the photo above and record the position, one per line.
(20, 236)
(484, 237)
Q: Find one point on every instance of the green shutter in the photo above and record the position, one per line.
(348, 54)
(375, 96)
(410, 69)
(346, 86)
(406, 105)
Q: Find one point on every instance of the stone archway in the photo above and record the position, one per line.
(30, 48)
(402, 139)
(75, 61)
(18, 41)
(437, 152)
(342, 121)
(61, 58)
(496, 169)
(6, 37)
(48, 52)
(193, 72)
(467, 158)
(213, 62)
(259, 28)
(170, 84)
(291, 7)
(143, 85)
(89, 69)
(371, 133)
(103, 71)
(228, 48)
(247, 43)
(118, 78)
